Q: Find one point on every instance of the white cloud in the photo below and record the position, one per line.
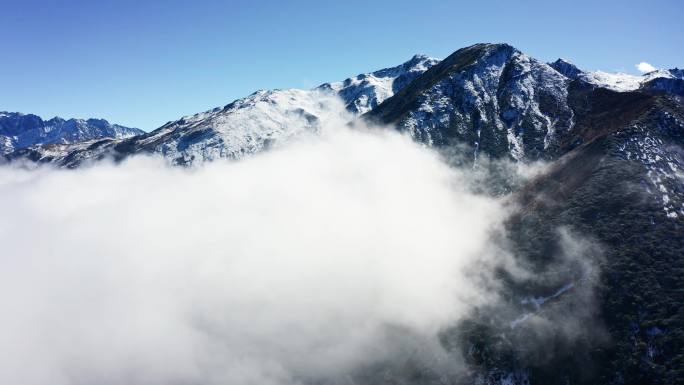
(644, 67)
(284, 268)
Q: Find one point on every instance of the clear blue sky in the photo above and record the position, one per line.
(142, 63)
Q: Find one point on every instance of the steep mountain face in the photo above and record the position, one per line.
(623, 188)
(489, 96)
(616, 177)
(248, 125)
(616, 146)
(566, 68)
(19, 131)
(504, 103)
(666, 85)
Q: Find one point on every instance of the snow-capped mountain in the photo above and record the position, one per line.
(490, 96)
(251, 124)
(503, 103)
(19, 131)
(243, 127)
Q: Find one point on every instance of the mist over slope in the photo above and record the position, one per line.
(300, 265)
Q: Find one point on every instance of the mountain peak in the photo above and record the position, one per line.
(677, 73)
(566, 68)
(478, 92)
(474, 53)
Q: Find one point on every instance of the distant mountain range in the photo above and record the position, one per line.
(615, 148)
(18, 131)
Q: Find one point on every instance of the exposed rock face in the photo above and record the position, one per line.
(489, 96)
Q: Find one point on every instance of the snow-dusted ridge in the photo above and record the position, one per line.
(246, 126)
(520, 105)
(268, 118)
(261, 120)
(19, 131)
(491, 97)
(615, 81)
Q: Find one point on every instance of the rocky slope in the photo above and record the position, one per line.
(612, 313)
(18, 131)
(622, 189)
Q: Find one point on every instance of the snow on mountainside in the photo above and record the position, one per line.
(268, 118)
(502, 102)
(622, 82)
(364, 92)
(19, 131)
(246, 126)
(490, 96)
(615, 81)
(251, 124)
(615, 174)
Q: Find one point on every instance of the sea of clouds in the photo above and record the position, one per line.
(298, 265)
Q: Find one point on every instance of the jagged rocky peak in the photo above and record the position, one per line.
(490, 96)
(566, 68)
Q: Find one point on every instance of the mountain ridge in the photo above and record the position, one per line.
(244, 126)
(532, 115)
(19, 131)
